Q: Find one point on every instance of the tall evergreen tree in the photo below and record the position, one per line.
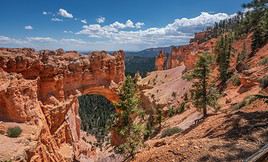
(223, 51)
(260, 36)
(128, 123)
(257, 40)
(242, 55)
(204, 94)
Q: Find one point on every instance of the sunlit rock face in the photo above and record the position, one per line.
(41, 88)
(160, 61)
(186, 54)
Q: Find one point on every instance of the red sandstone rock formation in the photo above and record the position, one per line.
(199, 37)
(41, 89)
(160, 61)
(185, 55)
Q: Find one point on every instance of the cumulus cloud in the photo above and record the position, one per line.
(44, 13)
(100, 20)
(56, 19)
(138, 25)
(127, 35)
(179, 31)
(28, 27)
(84, 21)
(64, 13)
(127, 24)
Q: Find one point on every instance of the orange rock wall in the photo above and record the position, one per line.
(186, 54)
(41, 88)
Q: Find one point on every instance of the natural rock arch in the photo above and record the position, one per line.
(44, 90)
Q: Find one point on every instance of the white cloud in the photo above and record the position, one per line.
(68, 31)
(204, 19)
(248, 10)
(44, 13)
(5, 40)
(179, 31)
(56, 19)
(28, 27)
(138, 25)
(84, 21)
(127, 35)
(12, 41)
(101, 20)
(127, 24)
(41, 39)
(64, 13)
(73, 41)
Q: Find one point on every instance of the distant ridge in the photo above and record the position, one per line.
(150, 52)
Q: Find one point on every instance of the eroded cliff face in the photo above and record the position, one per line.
(185, 55)
(41, 90)
(160, 61)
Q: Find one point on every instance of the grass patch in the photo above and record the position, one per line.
(171, 111)
(181, 108)
(247, 100)
(170, 131)
(14, 132)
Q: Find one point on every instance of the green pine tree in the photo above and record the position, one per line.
(128, 123)
(223, 51)
(203, 93)
(242, 55)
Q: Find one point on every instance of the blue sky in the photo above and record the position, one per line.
(107, 24)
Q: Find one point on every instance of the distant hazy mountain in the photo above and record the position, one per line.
(150, 52)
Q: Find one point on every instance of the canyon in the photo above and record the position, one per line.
(39, 92)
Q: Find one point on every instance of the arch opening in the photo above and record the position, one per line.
(97, 114)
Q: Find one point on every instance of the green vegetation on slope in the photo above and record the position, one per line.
(97, 115)
(129, 121)
(143, 65)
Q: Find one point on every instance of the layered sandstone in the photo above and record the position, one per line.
(40, 88)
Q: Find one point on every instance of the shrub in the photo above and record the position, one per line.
(235, 80)
(263, 61)
(171, 111)
(248, 100)
(185, 97)
(170, 131)
(181, 108)
(264, 82)
(14, 132)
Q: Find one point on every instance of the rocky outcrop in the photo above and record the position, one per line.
(40, 88)
(200, 37)
(160, 61)
(185, 55)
